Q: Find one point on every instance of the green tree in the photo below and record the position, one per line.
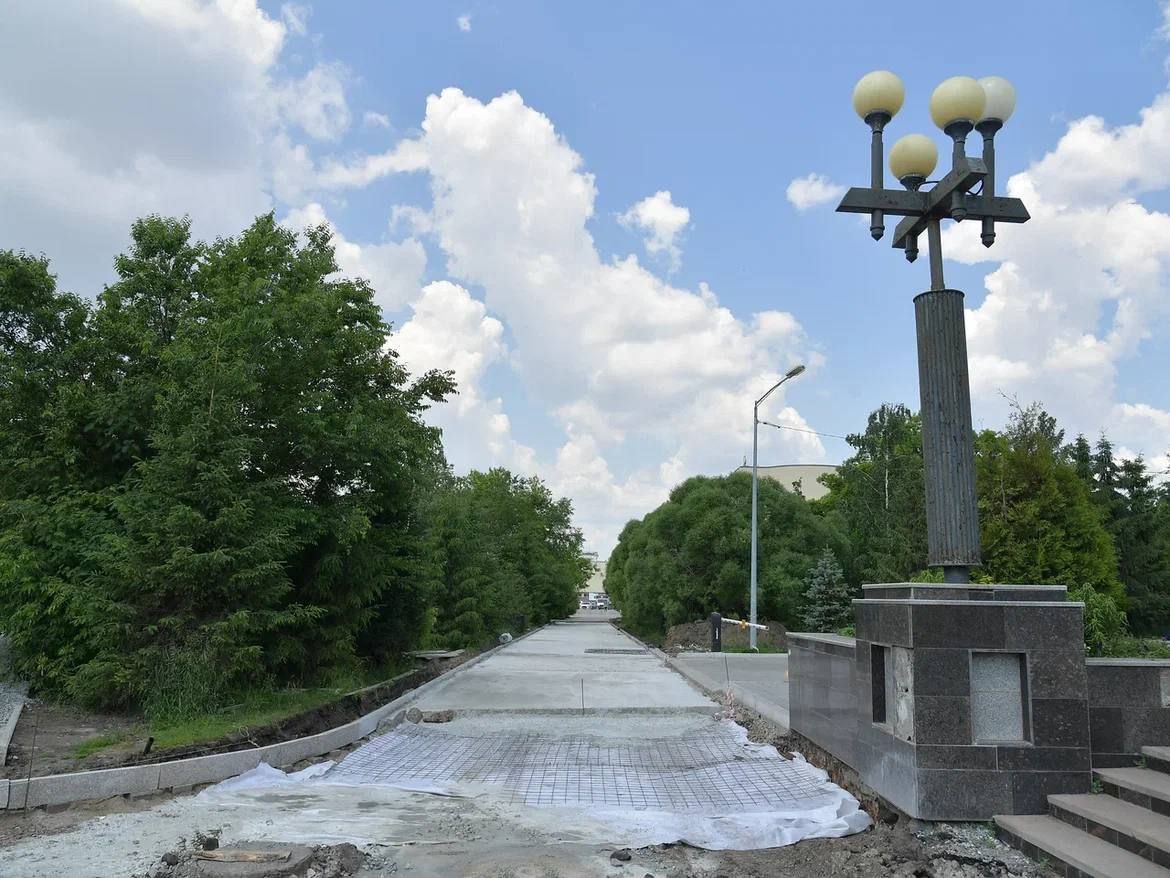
(509, 554)
(1142, 532)
(691, 555)
(1039, 523)
(878, 496)
(828, 597)
(1105, 622)
(221, 469)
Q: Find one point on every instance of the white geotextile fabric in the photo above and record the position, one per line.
(712, 790)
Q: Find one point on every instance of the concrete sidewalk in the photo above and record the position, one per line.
(757, 680)
(569, 668)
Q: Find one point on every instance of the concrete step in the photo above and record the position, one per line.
(1157, 758)
(1050, 840)
(1130, 827)
(1138, 786)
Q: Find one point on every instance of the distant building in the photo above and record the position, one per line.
(596, 583)
(791, 474)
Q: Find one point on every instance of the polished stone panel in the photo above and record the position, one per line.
(942, 719)
(997, 697)
(1057, 673)
(942, 671)
(963, 795)
(970, 624)
(953, 756)
(1060, 722)
(1043, 626)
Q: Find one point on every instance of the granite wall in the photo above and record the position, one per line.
(823, 693)
(967, 701)
(1129, 708)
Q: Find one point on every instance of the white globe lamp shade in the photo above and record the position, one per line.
(878, 92)
(914, 155)
(1001, 98)
(959, 98)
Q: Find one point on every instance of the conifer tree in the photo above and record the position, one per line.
(828, 597)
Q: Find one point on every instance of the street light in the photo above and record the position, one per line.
(791, 373)
(958, 106)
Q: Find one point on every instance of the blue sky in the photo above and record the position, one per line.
(610, 350)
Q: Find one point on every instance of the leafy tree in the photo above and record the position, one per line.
(508, 554)
(1135, 511)
(878, 496)
(1038, 521)
(1142, 533)
(828, 597)
(691, 555)
(1105, 622)
(219, 466)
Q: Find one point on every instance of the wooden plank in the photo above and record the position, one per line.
(243, 855)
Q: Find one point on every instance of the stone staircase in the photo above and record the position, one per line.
(1123, 832)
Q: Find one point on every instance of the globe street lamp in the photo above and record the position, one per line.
(791, 373)
(958, 106)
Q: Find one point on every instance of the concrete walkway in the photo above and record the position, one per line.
(521, 781)
(758, 681)
(570, 668)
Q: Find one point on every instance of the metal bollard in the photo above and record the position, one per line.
(716, 633)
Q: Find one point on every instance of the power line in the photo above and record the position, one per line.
(803, 430)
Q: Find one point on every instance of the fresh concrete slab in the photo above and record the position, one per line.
(1090, 855)
(554, 669)
(758, 680)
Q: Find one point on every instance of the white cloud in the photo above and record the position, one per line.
(1081, 288)
(813, 191)
(662, 220)
(393, 268)
(317, 103)
(450, 330)
(463, 22)
(634, 369)
(406, 156)
(296, 17)
(375, 120)
(195, 117)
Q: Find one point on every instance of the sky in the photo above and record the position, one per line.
(614, 221)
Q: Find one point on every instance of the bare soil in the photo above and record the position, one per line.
(901, 851)
(47, 735)
(896, 847)
(696, 637)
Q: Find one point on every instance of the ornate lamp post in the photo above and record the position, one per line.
(958, 106)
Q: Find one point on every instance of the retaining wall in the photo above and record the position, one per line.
(1129, 708)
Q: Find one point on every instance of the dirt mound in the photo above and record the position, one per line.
(696, 637)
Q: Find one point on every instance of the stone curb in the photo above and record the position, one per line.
(80, 786)
(8, 731)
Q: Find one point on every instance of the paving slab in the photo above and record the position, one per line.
(568, 667)
(759, 680)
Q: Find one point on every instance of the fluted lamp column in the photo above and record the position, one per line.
(958, 106)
